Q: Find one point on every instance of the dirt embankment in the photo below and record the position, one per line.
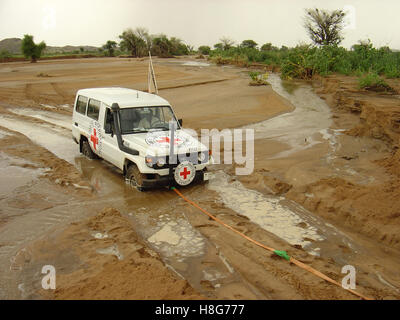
(372, 209)
(379, 113)
(113, 263)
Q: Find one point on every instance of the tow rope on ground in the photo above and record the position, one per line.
(280, 253)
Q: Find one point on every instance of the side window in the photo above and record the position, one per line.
(93, 109)
(108, 121)
(81, 104)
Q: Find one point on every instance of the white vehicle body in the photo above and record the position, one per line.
(93, 118)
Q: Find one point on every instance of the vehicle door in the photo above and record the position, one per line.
(81, 122)
(94, 127)
(110, 149)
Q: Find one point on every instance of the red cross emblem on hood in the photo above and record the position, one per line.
(167, 140)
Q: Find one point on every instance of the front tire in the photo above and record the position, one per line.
(135, 178)
(87, 150)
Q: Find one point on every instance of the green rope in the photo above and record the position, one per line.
(282, 254)
(172, 188)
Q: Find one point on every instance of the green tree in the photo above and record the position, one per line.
(135, 41)
(110, 47)
(324, 27)
(190, 49)
(177, 47)
(144, 34)
(227, 43)
(219, 46)
(30, 49)
(161, 46)
(268, 47)
(249, 44)
(204, 49)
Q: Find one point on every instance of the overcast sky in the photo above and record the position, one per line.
(197, 22)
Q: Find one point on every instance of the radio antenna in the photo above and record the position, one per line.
(151, 77)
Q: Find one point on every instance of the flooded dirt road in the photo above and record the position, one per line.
(215, 263)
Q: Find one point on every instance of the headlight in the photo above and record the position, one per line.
(152, 161)
(203, 156)
(160, 162)
(149, 161)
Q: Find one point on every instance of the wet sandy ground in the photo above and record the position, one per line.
(40, 197)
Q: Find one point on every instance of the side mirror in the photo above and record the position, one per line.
(180, 121)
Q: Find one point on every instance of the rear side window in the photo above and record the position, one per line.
(93, 109)
(81, 104)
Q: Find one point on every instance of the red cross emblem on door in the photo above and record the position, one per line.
(95, 139)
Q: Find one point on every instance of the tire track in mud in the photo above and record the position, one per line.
(33, 93)
(29, 92)
(65, 96)
(194, 84)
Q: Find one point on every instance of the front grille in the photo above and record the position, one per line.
(193, 158)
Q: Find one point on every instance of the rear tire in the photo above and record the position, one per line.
(87, 150)
(135, 178)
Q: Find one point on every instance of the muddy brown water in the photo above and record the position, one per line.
(163, 225)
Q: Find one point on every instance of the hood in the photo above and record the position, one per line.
(158, 142)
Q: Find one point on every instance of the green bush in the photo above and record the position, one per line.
(304, 61)
(299, 63)
(258, 79)
(254, 75)
(5, 54)
(372, 81)
(204, 50)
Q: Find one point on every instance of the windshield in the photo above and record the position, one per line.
(144, 119)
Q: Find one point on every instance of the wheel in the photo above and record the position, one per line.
(87, 150)
(134, 177)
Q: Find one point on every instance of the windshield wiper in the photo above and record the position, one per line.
(135, 131)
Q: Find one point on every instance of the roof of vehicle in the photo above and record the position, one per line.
(123, 96)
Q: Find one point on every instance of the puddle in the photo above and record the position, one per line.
(285, 219)
(113, 250)
(386, 283)
(4, 134)
(195, 64)
(268, 212)
(301, 128)
(57, 141)
(47, 106)
(165, 234)
(50, 117)
(13, 175)
(99, 235)
(174, 237)
(186, 252)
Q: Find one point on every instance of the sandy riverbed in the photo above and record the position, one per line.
(53, 209)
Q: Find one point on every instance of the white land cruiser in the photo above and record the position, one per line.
(132, 130)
